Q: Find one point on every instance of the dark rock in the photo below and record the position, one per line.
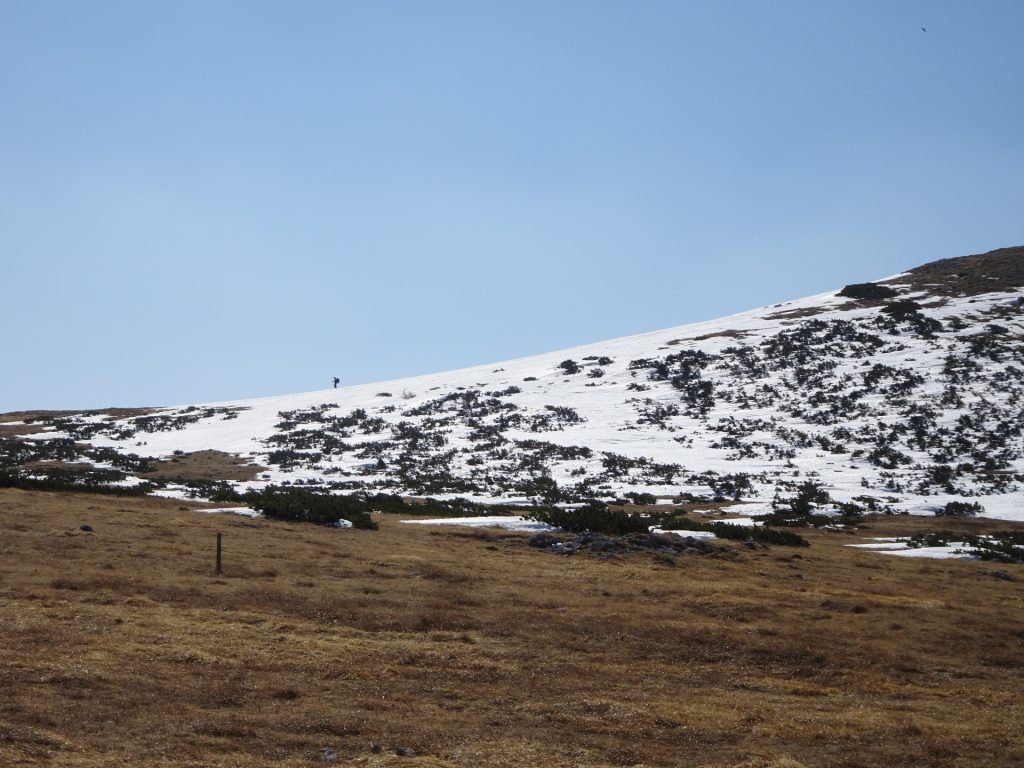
(645, 541)
(597, 543)
(1001, 575)
(86, 528)
(543, 540)
(405, 751)
(328, 755)
(664, 547)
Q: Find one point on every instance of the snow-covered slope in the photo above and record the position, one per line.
(910, 404)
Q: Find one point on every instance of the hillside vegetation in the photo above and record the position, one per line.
(903, 395)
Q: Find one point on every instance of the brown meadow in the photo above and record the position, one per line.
(120, 646)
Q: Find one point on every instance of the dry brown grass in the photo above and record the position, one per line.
(202, 465)
(7, 429)
(795, 314)
(120, 647)
(999, 270)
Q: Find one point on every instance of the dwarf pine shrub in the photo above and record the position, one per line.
(304, 506)
(870, 291)
(960, 509)
(595, 517)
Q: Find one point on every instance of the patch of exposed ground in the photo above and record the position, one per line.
(63, 465)
(17, 430)
(33, 419)
(729, 333)
(999, 270)
(110, 413)
(34, 415)
(202, 465)
(795, 314)
(121, 647)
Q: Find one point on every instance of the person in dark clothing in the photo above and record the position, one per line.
(337, 381)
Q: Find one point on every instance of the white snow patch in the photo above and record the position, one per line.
(898, 546)
(750, 509)
(953, 551)
(745, 521)
(508, 522)
(179, 492)
(687, 534)
(244, 511)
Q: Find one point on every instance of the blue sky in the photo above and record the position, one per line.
(210, 200)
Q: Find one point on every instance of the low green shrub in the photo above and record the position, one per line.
(599, 518)
(960, 509)
(870, 291)
(596, 517)
(303, 506)
(641, 498)
(998, 547)
(901, 308)
(758, 533)
(73, 481)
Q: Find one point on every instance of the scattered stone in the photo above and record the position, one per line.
(543, 541)
(664, 547)
(86, 528)
(374, 746)
(328, 755)
(405, 751)
(1001, 575)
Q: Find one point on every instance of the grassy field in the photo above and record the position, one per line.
(121, 647)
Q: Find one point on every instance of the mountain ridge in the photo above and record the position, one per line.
(903, 402)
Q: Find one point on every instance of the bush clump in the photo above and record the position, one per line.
(901, 308)
(809, 496)
(960, 509)
(569, 366)
(304, 506)
(73, 481)
(595, 517)
(642, 499)
(307, 506)
(759, 534)
(869, 291)
(997, 547)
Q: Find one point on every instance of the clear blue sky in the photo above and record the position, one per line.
(210, 200)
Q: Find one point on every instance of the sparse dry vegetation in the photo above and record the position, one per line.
(202, 465)
(121, 647)
(999, 270)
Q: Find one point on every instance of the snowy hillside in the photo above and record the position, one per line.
(907, 397)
